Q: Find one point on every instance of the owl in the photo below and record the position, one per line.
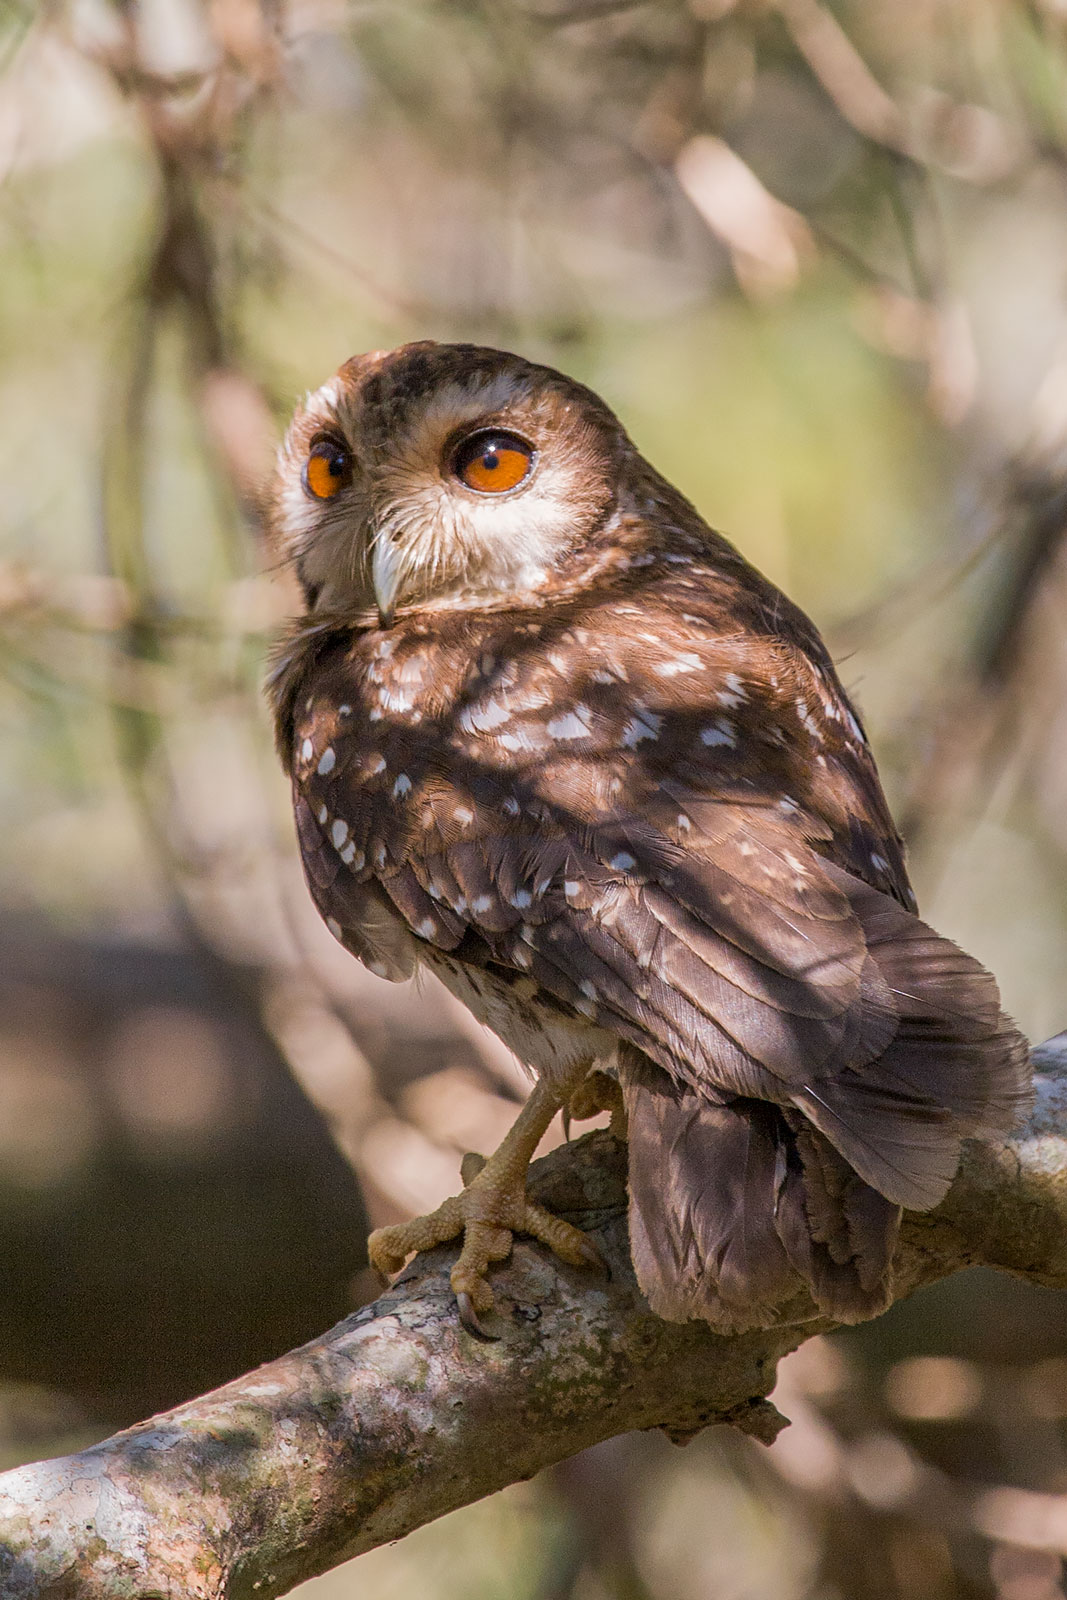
(555, 740)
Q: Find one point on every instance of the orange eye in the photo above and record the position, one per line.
(327, 469)
(493, 462)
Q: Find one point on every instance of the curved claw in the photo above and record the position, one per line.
(565, 1118)
(595, 1259)
(469, 1319)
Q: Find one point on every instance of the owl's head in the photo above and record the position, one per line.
(443, 475)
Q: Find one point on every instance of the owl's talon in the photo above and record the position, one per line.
(469, 1319)
(596, 1260)
(490, 1210)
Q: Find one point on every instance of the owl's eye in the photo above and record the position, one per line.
(493, 462)
(327, 469)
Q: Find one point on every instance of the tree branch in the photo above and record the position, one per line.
(396, 1416)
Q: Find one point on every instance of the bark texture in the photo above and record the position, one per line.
(396, 1416)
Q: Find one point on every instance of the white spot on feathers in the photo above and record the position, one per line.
(402, 786)
(399, 698)
(642, 725)
(570, 724)
(482, 717)
(686, 662)
(622, 862)
(721, 731)
(307, 750)
(327, 761)
(339, 833)
(807, 719)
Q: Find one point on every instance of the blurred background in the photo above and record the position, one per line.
(815, 255)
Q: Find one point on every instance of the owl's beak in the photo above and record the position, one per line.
(386, 573)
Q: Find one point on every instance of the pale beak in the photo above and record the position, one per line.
(386, 572)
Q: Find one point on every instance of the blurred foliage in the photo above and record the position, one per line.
(814, 254)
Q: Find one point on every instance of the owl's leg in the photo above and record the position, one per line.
(598, 1091)
(493, 1206)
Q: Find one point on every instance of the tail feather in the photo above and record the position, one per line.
(856, 1226)
(738, 1203)
(733, 1212)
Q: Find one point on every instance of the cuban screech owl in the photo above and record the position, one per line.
(554, 739)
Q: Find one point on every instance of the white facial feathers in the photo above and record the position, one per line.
(405, 529)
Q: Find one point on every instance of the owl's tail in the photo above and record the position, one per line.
(737, 1205)
(734, 1211)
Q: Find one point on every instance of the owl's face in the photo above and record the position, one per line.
(442, 475)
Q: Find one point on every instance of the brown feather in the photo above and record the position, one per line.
(733, 1212)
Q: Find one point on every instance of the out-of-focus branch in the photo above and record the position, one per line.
(844, 74)
(251, 607)
(976, 726)
(396, 1417)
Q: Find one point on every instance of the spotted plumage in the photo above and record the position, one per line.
(565, 747)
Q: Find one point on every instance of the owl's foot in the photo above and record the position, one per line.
(598, 1091)
(492, 1208)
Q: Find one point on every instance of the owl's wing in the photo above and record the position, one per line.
(755, 968)
(707, 932)
(350, 900)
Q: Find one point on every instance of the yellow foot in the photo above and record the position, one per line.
(492, 1208)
